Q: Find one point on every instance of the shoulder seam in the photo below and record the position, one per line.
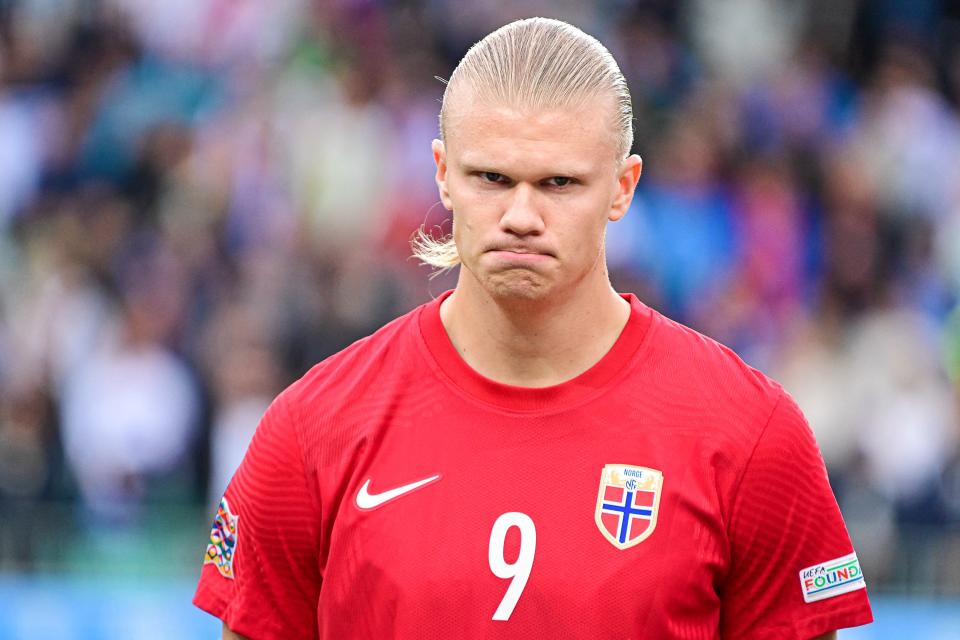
(746, 465)
(296, 418)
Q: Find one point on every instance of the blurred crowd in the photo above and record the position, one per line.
(199, 199)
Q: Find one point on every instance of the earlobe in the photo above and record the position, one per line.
(440, 158)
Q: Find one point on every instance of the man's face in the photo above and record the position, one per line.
(532, 192)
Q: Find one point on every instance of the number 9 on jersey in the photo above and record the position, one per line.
(519, 571)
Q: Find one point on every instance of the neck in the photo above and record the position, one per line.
(533, 343)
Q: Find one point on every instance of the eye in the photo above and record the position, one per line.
(559, 181)
(492, 177)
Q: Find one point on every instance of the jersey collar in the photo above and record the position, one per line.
(589, 384)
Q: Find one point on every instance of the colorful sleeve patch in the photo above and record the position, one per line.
(223, 540)
(831, 578)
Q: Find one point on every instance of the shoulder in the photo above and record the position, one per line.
(725, 404)
(708, 370)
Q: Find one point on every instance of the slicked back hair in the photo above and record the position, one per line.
(535, 63)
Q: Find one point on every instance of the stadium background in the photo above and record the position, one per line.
(201, 198)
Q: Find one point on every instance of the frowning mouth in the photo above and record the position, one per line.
(519, 250)
(524, 256)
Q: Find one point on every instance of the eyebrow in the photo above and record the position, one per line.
(477, 167)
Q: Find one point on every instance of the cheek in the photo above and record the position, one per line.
(472, 213)
(459, 228)
(586, 239)
(464, 226)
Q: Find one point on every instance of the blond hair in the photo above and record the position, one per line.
(535, 63)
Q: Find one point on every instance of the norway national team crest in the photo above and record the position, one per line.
(223, 540)
(627, 503)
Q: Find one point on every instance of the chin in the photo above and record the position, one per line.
(518, 285)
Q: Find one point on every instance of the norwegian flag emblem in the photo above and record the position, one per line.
(627, 503)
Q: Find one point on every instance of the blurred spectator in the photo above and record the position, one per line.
(908, 423)
(246, 376)
(26, 469)
(908, 139)
(683, 236)
(743, 40)
(130, 408)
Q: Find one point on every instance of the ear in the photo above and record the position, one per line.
(627, 180)
(440, 157)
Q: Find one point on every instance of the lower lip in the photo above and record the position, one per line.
(524, 258)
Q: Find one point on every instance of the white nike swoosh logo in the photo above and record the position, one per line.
(366, 500)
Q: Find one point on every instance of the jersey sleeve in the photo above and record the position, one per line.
(793, 571)
(260, 572)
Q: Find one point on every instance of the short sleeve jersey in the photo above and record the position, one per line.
(670, 491)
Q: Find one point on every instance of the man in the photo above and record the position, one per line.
(532, 455)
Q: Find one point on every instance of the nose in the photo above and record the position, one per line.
(521, 216)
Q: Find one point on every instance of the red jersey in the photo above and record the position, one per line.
(670, 491)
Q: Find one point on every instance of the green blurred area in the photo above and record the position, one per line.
(58, 538)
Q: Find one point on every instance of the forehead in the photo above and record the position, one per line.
(571, 140)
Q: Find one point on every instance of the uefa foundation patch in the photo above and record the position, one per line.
(831, 578)
(223, 540)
